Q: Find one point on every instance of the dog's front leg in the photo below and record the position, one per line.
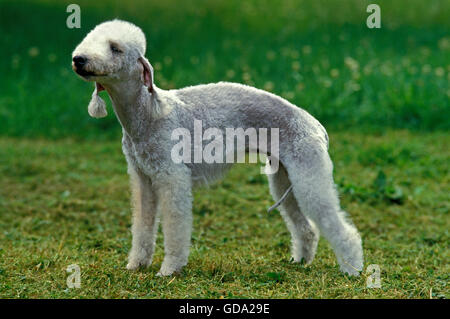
(174, 194)
(145, 221)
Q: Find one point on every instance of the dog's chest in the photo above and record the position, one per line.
(146, 157)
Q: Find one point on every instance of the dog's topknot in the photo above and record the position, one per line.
(123, 31)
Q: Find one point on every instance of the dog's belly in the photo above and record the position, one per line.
(204, 173)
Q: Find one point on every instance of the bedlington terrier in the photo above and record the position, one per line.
(112, 56)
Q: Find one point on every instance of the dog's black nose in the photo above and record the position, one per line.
(79, 61)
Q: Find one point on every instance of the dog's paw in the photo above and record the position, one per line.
(304, 257)
(166, 273)
(301, 261)
(134, 264)
(351, 270)
(304, 260)
(171, 267)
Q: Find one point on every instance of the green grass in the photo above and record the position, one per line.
(318, 54)
(67, 202)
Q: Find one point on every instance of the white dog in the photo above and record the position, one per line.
(112, 55)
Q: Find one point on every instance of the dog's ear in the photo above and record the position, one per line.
(97, 107)
(147, 73)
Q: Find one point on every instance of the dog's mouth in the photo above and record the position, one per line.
(89, 74)
(86, 74)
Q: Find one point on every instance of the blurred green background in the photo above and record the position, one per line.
(383, 95)
(317, 54)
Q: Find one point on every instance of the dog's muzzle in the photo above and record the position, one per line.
(79, 63)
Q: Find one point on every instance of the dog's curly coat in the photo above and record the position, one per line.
(112, 55)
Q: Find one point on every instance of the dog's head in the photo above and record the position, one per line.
(113, 51)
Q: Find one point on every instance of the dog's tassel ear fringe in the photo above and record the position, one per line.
(97, 107)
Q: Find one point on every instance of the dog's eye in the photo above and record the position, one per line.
(114, 48)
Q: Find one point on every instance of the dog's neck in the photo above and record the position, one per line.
(132, 105)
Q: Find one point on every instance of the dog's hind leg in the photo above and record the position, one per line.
(145, 221)
(304, 234)
(311, 174)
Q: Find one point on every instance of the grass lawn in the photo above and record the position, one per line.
(67, 202)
